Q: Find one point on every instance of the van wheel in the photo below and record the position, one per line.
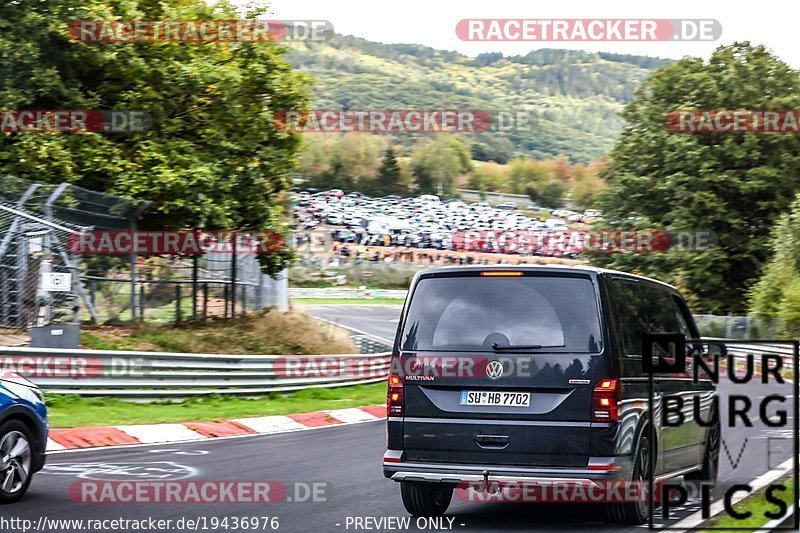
(15, 461)
(635, 512)
(426, 499)
(708, 474)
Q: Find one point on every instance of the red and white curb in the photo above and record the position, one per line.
(97, 437)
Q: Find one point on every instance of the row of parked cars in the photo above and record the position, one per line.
(425, 216)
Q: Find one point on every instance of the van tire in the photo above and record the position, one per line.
(633, 512)
(708, 474)
(426, 499)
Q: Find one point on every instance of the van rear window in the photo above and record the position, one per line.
(472, 313)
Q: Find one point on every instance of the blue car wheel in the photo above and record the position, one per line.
(15, 461)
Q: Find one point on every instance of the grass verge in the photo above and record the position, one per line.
(757, 504)
(67, 410)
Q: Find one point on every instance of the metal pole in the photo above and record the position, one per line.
(134, 267)
(132, 261)
(233, 275)
(194, 287)
(259, 292)
(141, 302)
(205, 301)
(177, 303)
(9, 236)
(22, 273)
(46, 265)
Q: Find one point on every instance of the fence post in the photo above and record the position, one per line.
(92, 289)
(225, 289)
(205, 301)
(244, 299)
(134, 272)
(177, 303)
(258, 290)
(233, 275)
(194, 287)
(141, 303)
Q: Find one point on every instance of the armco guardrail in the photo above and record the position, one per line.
(152, 375)
(737, 349)
(162, 374)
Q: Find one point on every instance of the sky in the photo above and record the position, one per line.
(433, 22)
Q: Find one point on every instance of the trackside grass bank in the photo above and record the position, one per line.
(74, 411)
(270, 332)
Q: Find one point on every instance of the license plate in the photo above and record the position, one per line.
(503, 399)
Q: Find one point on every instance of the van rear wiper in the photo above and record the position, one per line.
(498, 348)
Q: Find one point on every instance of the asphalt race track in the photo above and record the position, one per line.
(376, 320)
(345, 464)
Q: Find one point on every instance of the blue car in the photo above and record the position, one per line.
(23, 435)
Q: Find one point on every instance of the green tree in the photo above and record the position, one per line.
(777, 292)
(550, 195)
(437, 164)
(586, 184)
(360, 156)
(488, 177)
(524, 174)
(733, 185)
(213, 157)
(388, 181)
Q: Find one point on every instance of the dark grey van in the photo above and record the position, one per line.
(534, 374)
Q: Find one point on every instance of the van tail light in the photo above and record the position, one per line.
(605, 400)
(395, 396)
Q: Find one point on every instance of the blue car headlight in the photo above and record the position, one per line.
(31, 394)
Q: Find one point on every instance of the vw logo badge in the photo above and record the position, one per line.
(494, 370)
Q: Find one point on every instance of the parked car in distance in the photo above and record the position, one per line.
(561, 395)
(555, 223)
(506, 206)
(23, 435)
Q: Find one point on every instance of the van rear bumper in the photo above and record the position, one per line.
(598, 469)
